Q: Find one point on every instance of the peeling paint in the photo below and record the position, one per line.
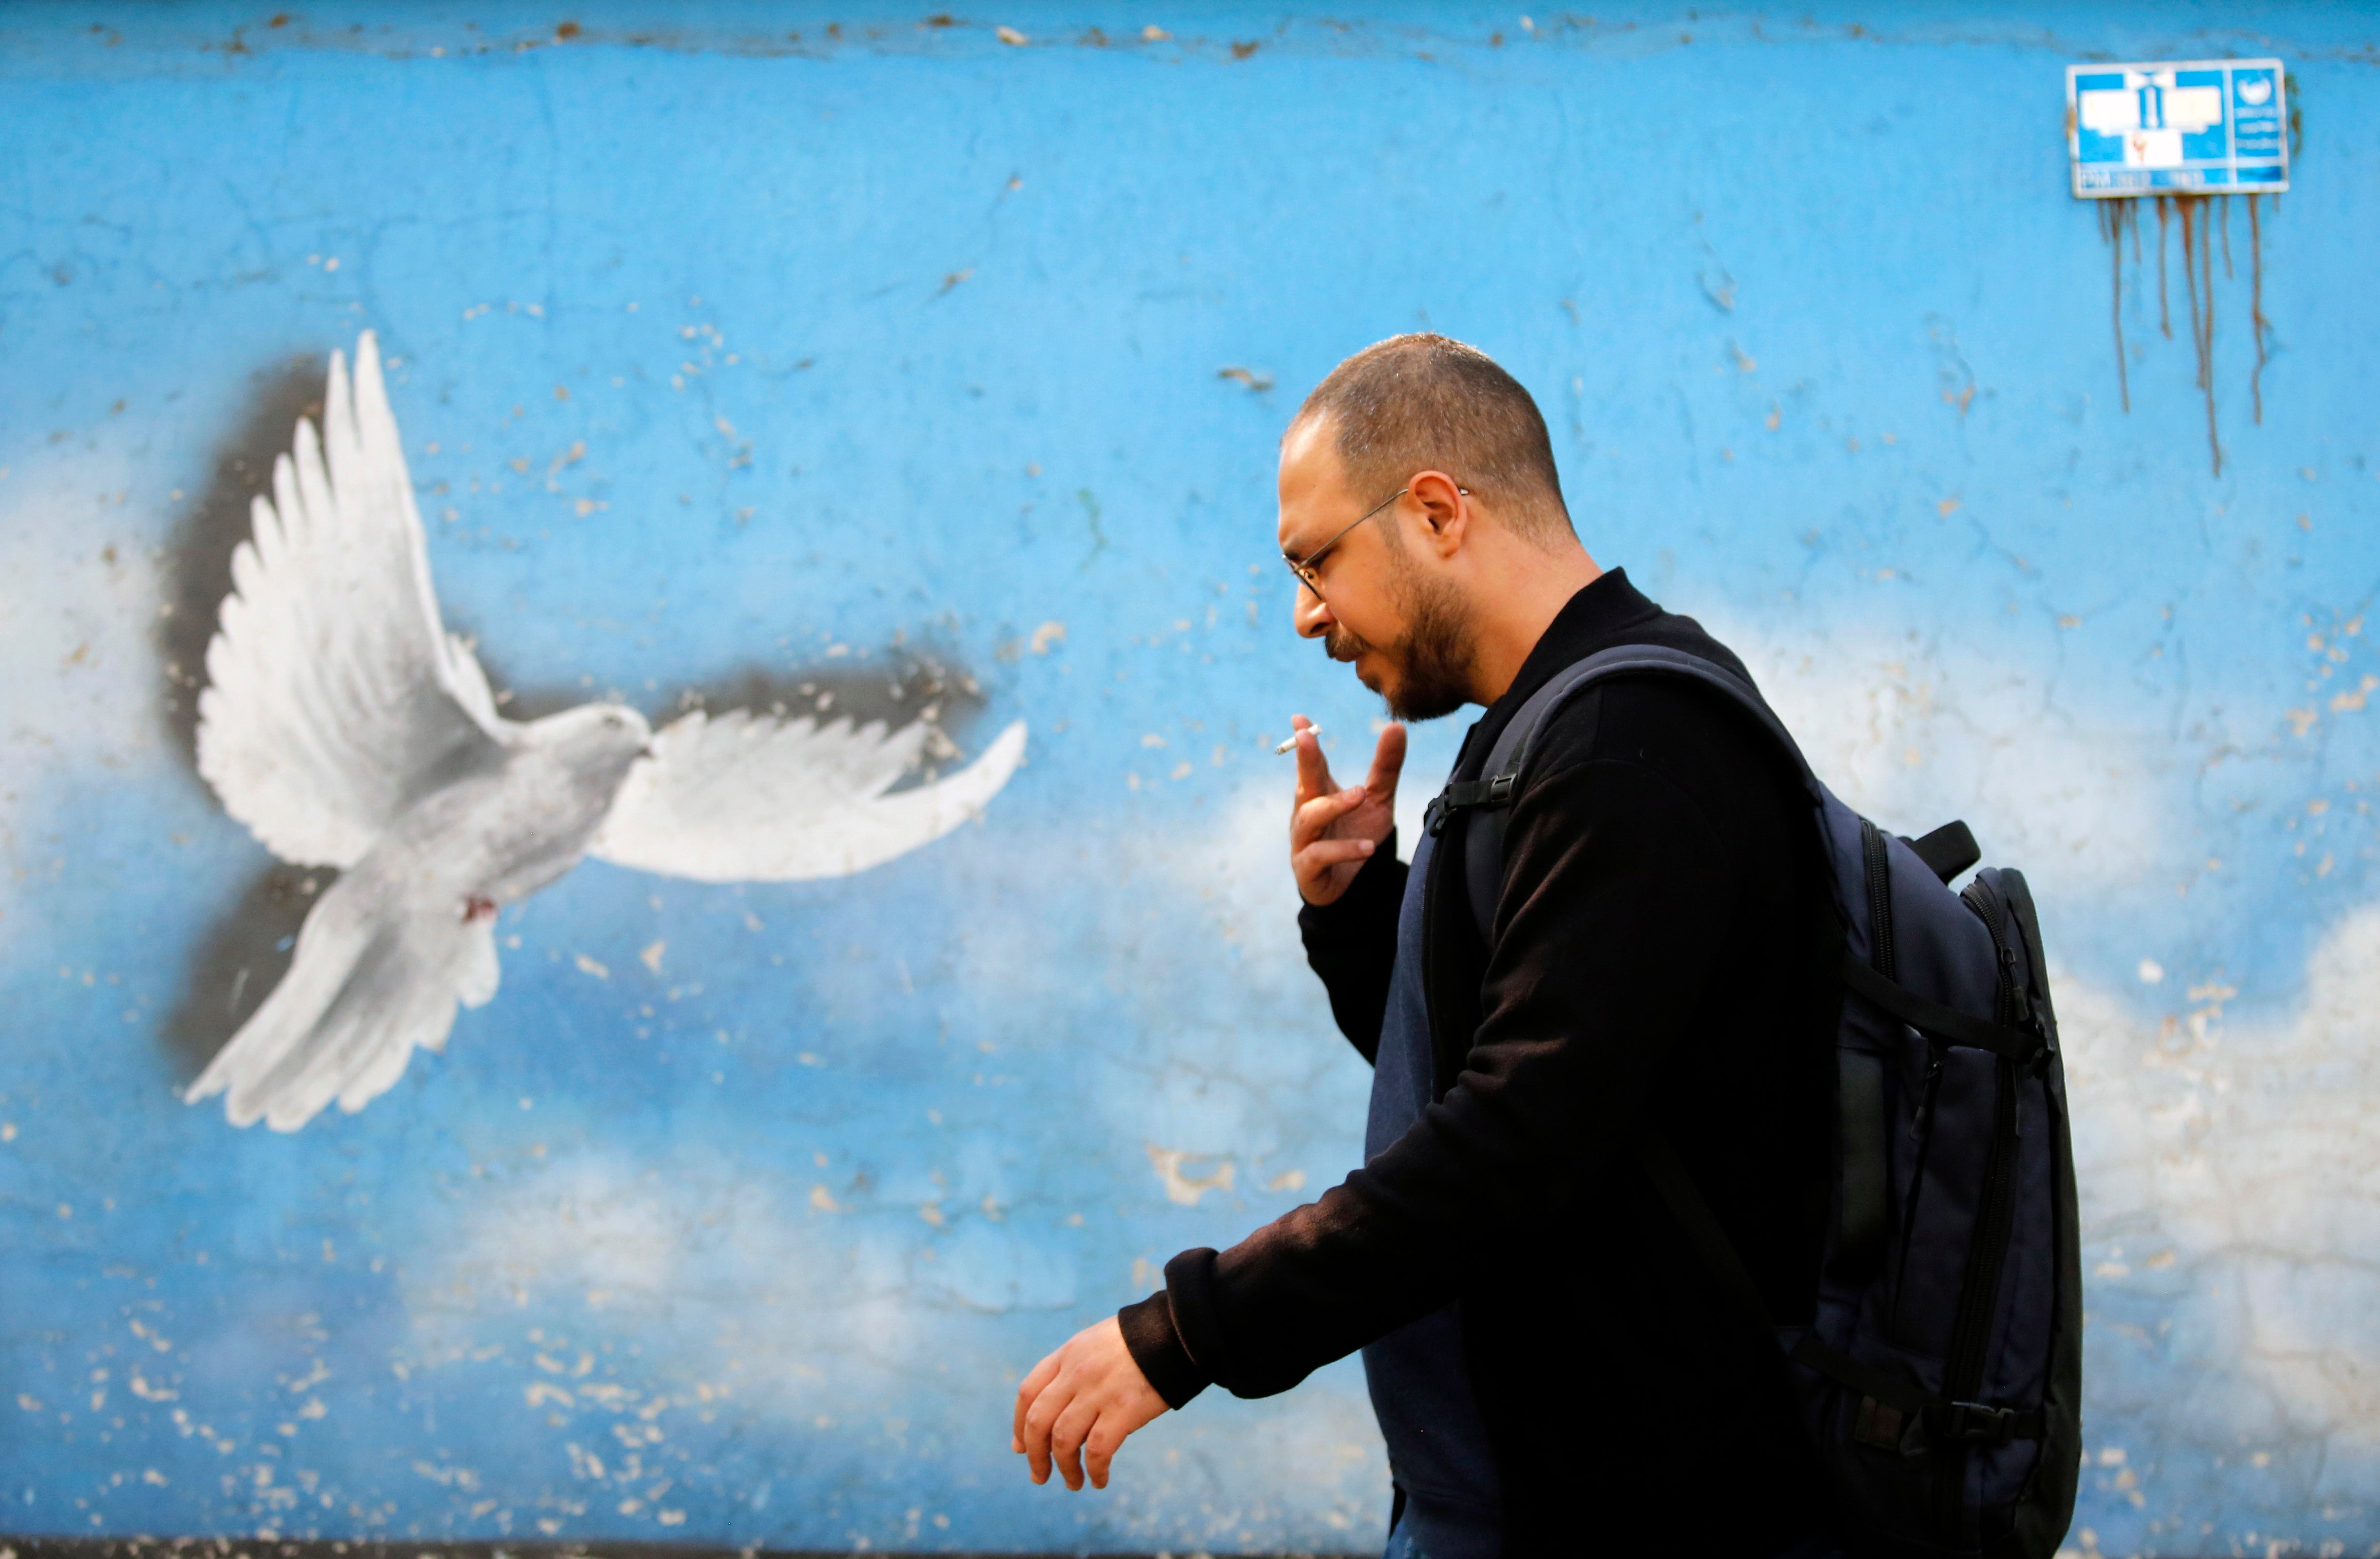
(1183, 1188)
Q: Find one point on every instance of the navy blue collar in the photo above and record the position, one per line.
(1596, 618)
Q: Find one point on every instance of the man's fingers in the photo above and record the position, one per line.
(1037, 1447)
(1067, 1439)
(1028, 1389)
(1313, 769)
(1324, 854)
(1388, 762)
(1047, 1409)
(1311, 818)
(1099, 1451)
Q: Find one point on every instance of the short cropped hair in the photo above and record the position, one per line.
(1419, 402)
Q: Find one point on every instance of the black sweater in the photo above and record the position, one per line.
(1655, 958)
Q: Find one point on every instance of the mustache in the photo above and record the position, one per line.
(1340, 645)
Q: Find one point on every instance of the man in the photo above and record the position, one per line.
(1552, 1368)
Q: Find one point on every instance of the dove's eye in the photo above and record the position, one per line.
(612, 721)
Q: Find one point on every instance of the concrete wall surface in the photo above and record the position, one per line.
(756, 355)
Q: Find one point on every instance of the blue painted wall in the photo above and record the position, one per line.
(886, 334)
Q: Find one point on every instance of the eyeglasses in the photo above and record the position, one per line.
(1305, 568)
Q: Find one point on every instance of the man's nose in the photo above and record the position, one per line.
(1311, 614)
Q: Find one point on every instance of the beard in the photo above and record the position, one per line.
(1434, 656)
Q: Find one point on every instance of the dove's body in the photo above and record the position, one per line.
(501, 836)
(409, 931)
(346, 729)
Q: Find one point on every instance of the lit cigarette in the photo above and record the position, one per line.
(1293, 740)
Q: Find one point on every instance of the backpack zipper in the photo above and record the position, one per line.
(1920, 1127)
(1878, 864)
(1963, 1368)
(1875, 862)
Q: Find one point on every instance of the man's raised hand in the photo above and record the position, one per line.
(1333, 832)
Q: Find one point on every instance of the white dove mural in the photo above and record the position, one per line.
(345, 727)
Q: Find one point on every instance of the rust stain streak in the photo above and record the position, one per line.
(2165, 318)
(2198, 274)
(2206, 345)
(2112, 227)
(2257, 320)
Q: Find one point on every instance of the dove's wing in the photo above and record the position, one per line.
(334, 695)
(753, 799)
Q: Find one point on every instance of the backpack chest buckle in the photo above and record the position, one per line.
(1976, 1423)
(1465, 794)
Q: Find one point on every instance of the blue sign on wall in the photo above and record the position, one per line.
(2216, 126)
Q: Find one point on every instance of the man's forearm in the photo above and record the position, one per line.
(1593, 978)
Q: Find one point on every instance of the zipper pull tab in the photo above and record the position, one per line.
(2020, 1004)
(1926, 1089)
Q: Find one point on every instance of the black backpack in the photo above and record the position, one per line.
(1941, 1379)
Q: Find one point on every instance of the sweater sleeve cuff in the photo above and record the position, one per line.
(1156, 1346)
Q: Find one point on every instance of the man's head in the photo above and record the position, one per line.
(1449, 458)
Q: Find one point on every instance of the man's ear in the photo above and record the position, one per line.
(1445, 511)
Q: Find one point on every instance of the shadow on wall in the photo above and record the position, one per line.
(248, 952)
(905, 684)
(255, 933)
(198, 554)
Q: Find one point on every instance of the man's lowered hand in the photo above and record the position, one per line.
(1078, 1405)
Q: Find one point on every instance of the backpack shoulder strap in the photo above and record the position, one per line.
(1484, 803)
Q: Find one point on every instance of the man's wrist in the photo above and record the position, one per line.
(1156, 1345)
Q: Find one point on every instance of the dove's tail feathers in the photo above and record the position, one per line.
(367, 985)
